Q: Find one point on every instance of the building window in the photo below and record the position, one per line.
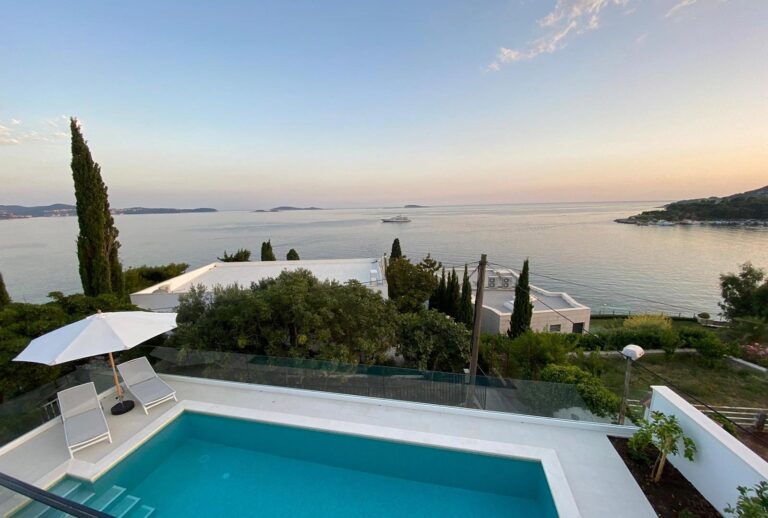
(578, 327)
(554, 328)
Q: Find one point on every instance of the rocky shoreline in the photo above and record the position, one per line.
(633, 220)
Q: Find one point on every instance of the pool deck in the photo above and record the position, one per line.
(586, 475)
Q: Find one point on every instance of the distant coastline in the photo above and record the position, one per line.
(58, 210)
(747, 209)
(286, 209)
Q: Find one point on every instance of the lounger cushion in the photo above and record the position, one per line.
(150, 390)
(84, 427)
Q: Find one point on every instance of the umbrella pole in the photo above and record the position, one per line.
(123, 406)
(118, 389)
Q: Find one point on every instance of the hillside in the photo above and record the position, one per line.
(747, 208)
(62, 209)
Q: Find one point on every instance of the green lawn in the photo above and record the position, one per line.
(724, 384)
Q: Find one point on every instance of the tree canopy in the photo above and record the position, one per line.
(745, 294)
(266, 251)
(5, 299)
(242, 255)
(431, 341)
(293, 315)
(139, 277)
(292, 255)
(409, 285)
(396, 252)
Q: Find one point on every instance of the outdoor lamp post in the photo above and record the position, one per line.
(631, 353)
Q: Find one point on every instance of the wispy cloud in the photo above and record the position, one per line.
(50, 130)
(680, 5)
(568, 19)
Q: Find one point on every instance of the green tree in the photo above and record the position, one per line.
(429, 340)
(522, 308)
(5, 299)
(139, 277)
(453, 295)
(242, 255)
(409, 286)
(466, 309)
(266, 251)
(97, 244)
(437, 299)
(665, 433)
(598, 398)
(396, 252)
(293, 255)
(745, 294)
(294, 315)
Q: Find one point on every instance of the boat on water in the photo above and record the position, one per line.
(397, 219)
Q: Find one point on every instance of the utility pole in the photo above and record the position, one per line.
(476, 321)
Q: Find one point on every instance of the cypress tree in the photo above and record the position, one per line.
(453, 295)
(293, 255)
(5, 299)
(97, 244)
(438, 300)
(522, 309)
(266, 251)
(466, 310)
(396, 252)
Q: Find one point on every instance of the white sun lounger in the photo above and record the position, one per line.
(84, 421)
(143, 382)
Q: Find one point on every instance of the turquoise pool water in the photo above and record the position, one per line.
(203, 465)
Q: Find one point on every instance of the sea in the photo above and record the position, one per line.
(572, 247)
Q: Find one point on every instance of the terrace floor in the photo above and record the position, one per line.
(598, 482)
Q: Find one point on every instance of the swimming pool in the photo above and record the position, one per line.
(204, 465)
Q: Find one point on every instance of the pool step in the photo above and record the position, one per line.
(37, 510)
(124, 506)
(81, 495)
(107, 498)
(141, 512)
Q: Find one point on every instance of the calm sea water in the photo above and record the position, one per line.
(573, 247)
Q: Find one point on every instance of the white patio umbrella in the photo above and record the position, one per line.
(102, 333)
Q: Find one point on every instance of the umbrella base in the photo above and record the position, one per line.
(123, 407)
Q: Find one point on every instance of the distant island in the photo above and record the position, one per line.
(744, 209)
(415, 207)
(61, 210)
(286, 209)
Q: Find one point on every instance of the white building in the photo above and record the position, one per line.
(165, 295)
(554, 312)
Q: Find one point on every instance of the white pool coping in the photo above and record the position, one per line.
(375, 418)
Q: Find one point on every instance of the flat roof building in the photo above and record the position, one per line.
(555, 312)
(165, 295)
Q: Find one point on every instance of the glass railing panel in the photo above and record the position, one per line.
(534, 398)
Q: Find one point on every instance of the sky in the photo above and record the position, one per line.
(245, 105)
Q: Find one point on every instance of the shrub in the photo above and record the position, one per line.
(599, 400)
(139, 277)
(592, 362)
(665, 433)
(704, 315)
(659, 322)
(710, 348)
(431, 340)
(534, 351)
(751, 506)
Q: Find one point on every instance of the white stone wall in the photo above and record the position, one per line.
(722, 462)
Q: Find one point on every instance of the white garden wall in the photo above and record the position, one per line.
(722, 462)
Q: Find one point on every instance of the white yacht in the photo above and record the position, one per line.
(397, 219)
